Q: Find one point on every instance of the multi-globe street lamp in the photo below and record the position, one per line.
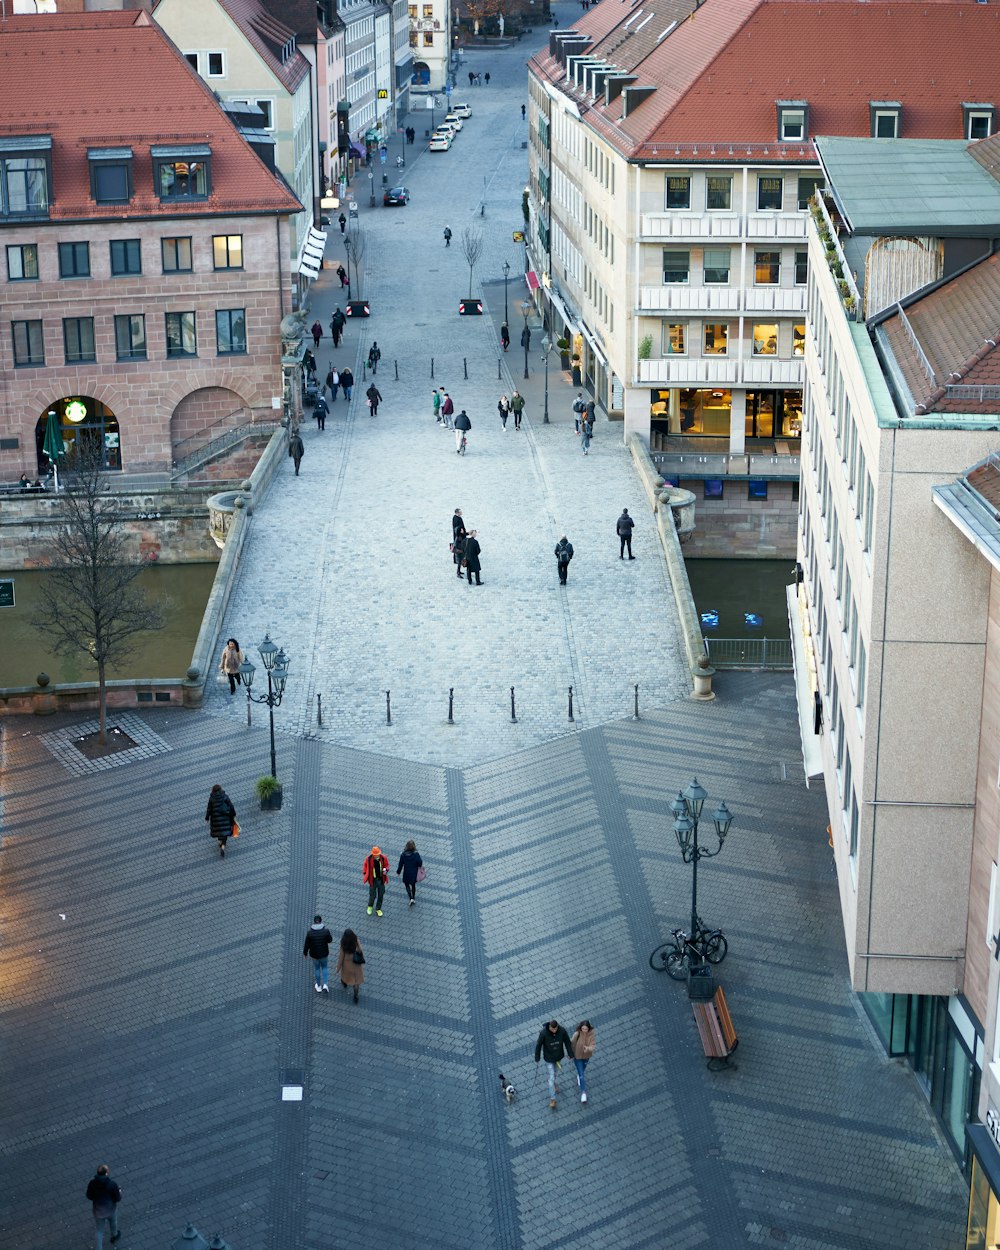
(687, 808)
(546, 352)
(276, 665)
(506, 275)
(525, 333)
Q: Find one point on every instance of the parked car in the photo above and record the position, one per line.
(462, 110)
(453, 120)
(439, 143)
(447, 129)
(396, 196)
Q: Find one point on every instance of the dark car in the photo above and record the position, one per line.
(395, 196)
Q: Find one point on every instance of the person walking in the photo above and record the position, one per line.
(374, 399)
(317, 333)
(553, 1042)
(351, 961)
(472, 552)
(412, 868)
(376, 874)
(458, 540)
(333, 383)
(221, 816)
(564, 553)
(342, 222)
(585, 429)
(104, 1195)
(504, 336)
(524, 112)
(472, 78)
(321, 411)
(583, 1043)
(342, 275)
(337, 323)
(517, 407)
(296, 450)
(503, 407)
(232, 658)
(346, 382)
(436, 405)
(374, 356)
(317, 945)
(462, 426)
(624, 532)
(447, 234)
(487, 77)
(447, 410)
(579, 407)
(591, 412)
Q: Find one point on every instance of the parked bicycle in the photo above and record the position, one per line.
(685, 952)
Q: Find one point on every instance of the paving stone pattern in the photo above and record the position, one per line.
(156, 1000)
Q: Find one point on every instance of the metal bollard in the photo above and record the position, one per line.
(319, 709)
(498, 368)
(571, 702)
(248, 709)
(465, 367)
(451, 705)
(388, 709)
(513, 717)
(432, 366)
(396, 363)
(635, 715)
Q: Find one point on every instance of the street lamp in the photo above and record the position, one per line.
(687, 812)
(506, 275)
(276, 665)
(371, 188)
(525, 333)
(546, 350)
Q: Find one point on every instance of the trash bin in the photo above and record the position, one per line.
(701, 983)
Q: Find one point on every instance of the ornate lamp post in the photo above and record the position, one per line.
(506, 275)
(276, 665)
(687, 808)
(525, 333)
(546, 351)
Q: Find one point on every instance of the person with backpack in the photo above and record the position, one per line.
(624, 529)
(374, 356)
(564, 553)
(321, 411)
(578, 407)
(375, 875)
(374, 399)
(317, 947)
(462, 426)
(554, 1043)
(583, 1043)
(447, 236)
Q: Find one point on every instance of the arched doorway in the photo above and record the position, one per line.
(83, 422)
(421, 74)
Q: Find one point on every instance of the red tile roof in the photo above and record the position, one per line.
(719, 72)
(110, 79)
(268, 36)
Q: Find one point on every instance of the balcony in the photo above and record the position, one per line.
(656, 226)
(721, 370)
(782, 227)
(776, 299)
(678, 297)
(767, 371)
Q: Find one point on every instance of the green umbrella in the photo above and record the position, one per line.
(53, 446)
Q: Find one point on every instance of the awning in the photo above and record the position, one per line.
(532, 280)
(563, 311)
(357, 149)
(592, 341)
(812, 751)
(311, 261)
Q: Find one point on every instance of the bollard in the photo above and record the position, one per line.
(388, 709)
(635, 715)
(498, 368)
(319, 709)
(451, 705)
(396, 363)
(248, 709)
(465, 367)
(364, 373)
(571, 702)
(432, 366)
(512, 715)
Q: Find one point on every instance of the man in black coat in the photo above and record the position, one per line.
(374, 399)
(317, 946)
(472, 551)
(296, 450)
(105, 1195)
(458, 540)
(320, 412)
(624, 532)
(554, 1043)
(564, 553)
(462, 425)
(346, 382)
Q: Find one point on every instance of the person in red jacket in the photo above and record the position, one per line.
(376, 874)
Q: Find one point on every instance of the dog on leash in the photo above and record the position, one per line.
(507, 1089)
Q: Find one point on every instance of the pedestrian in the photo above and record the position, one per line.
(564, 553)
(317, 333)
(504, 336)
(447, 236)
(591, 411)
(579, 407)
(624, 531)
(526, 338)
(458, 540)
(583, 1043)
(462, 426)
(342, 275)
(472, 77)
(374, 399)
(346, 382)
(436, 405)
(472, 565)
(232, 658)
(411, 134)
(342, 221)
(105, 1196)
(296, 450)
(317, 945)
(412, 868)
(524, 112)
(447, 410)
(351, 961)
(487, 77)
(221, 816)
(309, 365)
(585, 429)
(517, 407)
(333, 383)
(553, 1042)
(321, 411)
(374, 356)
(337, 323)
(376, 874)
(503, 407)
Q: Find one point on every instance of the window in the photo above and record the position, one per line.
(216, 65)
(192, 59)
(977, 120)
(713, 488)
(716, 339)
(24, 178)
(182, 180)
(678, 191)
(74, 260)
(675, 339)
(808, 185)
(717, 264)
(230, 331)
(428, 11)
(766, 268)
(267, 108)
(126, 257)
(793, 124)
(22, 262)
(757, 488)
(765, 338)
(176, 255)
(798, 340)
(130, 336)
(801, 268)
(769, 191)
(414, 39)
(110, 175)
(718, 192)
(885, 117)
(411, 12)
(676, 265)
(29, 348)
(227, 251)
(181, 337)
(428, 39)
(78, 339)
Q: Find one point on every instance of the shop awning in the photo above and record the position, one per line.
(985, 1150)
(532, 280)
(557, 303)
(311, 260)
(812, 753)
(595, 347)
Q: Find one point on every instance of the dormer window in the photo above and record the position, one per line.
(793, 120)
(110, 175)
(25, 175)
(885, 118)
(183, 173)
(977, 120)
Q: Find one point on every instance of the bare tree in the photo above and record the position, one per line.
(357, 246)
(90, 601)
(472, 246)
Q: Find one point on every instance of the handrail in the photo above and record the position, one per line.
(904, 321)
(232, 436)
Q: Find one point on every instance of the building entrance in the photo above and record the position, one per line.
(83, 422)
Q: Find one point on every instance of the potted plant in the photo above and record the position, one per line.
(563, 345)
(269, 793)
(646, 347)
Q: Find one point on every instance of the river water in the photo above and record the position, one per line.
(745, 597)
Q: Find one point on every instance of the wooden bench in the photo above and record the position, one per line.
(715, 1028)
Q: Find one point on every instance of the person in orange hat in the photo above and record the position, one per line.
(376, 874)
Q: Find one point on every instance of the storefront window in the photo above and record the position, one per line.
(984, 1212)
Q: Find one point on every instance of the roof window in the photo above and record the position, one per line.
(886, 119)
(793, 120)
(978, 120)
(110, 175)
(25, 175)
(182, 173)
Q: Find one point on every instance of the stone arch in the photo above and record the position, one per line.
(204, 414)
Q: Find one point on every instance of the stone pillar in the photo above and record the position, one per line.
(674, 410)
(637, 419)
(738, 424)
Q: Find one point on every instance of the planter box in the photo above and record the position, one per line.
(358, 308)
(272, 803)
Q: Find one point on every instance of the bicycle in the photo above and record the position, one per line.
(463, 445)
(676, 958)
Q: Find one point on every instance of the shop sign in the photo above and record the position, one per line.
(993, 1124)
(7, 593)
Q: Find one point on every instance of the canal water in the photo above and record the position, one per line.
(741, 598)
(182, 590)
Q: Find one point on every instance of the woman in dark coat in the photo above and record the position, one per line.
(409, 865)
(472, 550)
(221, 816)
(351, 973)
